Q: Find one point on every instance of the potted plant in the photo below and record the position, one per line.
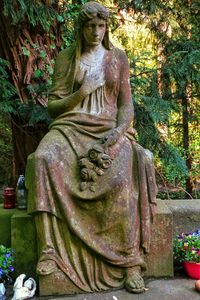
(187, 252)
(6, 264)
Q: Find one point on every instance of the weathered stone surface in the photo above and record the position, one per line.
(57, 284)
(186, 215)
(160, 259)
(5, 225)
(24, 243)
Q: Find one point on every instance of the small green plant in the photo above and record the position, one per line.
(187, 247)
(6, 263)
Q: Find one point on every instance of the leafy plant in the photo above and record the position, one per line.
(187, 247)
(6, 262)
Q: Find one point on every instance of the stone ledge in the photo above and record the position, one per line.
(186, 215)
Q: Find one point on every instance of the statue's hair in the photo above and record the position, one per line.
(89, 11)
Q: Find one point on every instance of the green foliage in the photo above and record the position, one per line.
(7, 94)
(152, 113)
(182, 64)
(162, 78)
(6, 158)
(6, 262)
(44, 18)
(28, 112)
(174, 195)
(8, 91)
(35, 12)
(31, 113)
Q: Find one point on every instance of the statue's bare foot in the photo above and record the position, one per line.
(134, 282)
(46, 267)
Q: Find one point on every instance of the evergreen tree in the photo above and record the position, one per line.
(32, 33)
(172, 88)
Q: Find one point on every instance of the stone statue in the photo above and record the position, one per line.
(24, 289)
(91, 187)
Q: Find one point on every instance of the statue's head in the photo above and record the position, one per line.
(90, 11)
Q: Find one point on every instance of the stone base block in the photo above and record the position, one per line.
(5, 225)
(160, 259)
(24, 243)
(57, 284)
(18, 231)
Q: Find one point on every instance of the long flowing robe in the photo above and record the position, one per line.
(95, 233)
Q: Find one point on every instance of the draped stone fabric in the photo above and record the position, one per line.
(93, 234)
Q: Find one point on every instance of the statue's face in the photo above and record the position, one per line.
(94, 31)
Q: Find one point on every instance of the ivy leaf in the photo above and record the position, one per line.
(42, 54)
(50, 70)
(60, 19)
(25, 51)
(38, 73)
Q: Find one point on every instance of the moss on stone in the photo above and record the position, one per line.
(5, 225)
(24, 243)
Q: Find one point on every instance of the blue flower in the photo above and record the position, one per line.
(198, 232)
(1, 272)
(8, 254)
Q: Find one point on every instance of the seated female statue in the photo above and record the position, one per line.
(91, 187)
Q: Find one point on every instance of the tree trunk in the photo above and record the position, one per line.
(25, 141)
(186, 140)
(28, 49)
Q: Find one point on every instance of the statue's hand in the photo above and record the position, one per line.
(111, 138)
(91, 82)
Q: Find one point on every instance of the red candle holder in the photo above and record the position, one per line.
(9, 200)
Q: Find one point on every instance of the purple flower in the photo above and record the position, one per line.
(8, 254)
(182, 235)
(1, 271)
(11, 268)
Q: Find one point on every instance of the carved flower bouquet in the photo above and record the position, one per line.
(94, 164)
(6, 264)
(187, 252)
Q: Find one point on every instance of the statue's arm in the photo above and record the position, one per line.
(61, 99)
(124, 102)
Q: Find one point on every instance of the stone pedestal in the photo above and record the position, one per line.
(160, 259)
(5, 225)
(57, 284)
(17, 230)
(24, 243)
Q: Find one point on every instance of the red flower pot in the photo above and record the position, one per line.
(192, 269)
